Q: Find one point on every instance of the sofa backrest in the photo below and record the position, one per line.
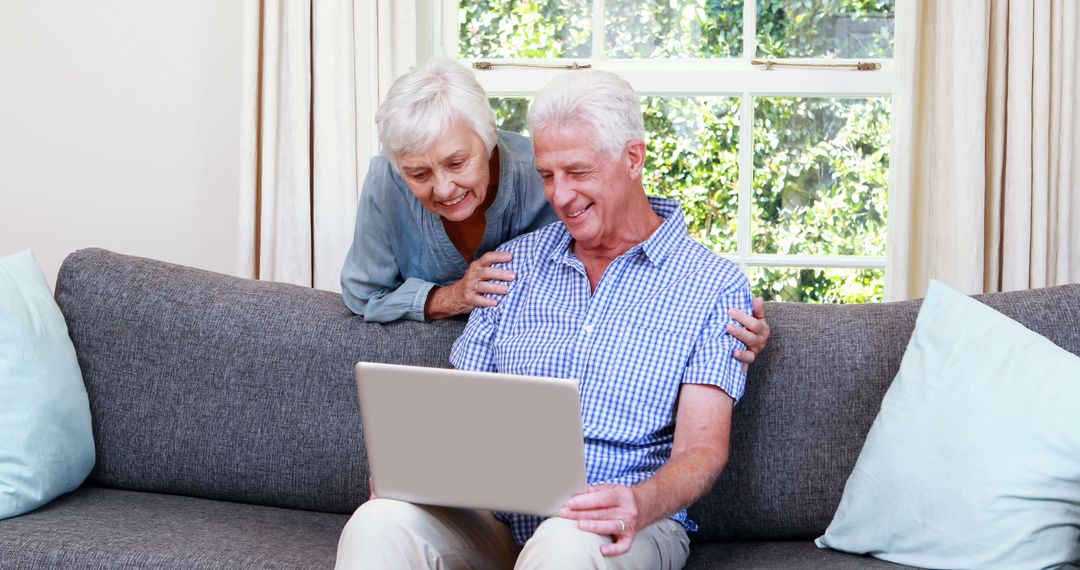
(212, 386)
(207, 385)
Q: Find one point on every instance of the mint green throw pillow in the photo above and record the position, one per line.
(974, 459)
(46, 443)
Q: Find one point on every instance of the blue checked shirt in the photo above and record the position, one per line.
(655, 322)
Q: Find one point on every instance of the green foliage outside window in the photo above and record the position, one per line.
(801, 285)
(820, 164)
(824, 28)
(692, 157)
(666, 29)
(820, 175)
(537, 29)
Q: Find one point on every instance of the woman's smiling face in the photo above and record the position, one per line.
(451, 177)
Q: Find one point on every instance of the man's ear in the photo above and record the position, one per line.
(635, 154)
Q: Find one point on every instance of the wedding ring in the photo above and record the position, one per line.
(622, 526)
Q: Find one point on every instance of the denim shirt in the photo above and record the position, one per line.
(400, 249)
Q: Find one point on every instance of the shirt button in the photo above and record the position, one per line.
(588, 328)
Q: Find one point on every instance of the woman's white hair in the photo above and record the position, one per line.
(425, 102)
(602, 100)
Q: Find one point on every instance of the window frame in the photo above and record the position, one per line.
(730, 77)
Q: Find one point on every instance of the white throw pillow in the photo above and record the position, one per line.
(974, 459)
(46, 443)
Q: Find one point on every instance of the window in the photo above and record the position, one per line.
(783, 170)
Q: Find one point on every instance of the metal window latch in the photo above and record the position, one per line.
(487, 65)
(858, 66)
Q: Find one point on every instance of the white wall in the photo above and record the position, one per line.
(119, 128)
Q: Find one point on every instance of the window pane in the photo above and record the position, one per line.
(511, 113)
(692, 157)
(673, 28)
(538, 29)
(821, 171)
(798, 285)
(825, 28)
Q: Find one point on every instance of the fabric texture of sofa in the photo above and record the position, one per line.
(228, 431)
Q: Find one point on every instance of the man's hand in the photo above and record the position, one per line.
(754, 332)
(468, 292)
(608, 510)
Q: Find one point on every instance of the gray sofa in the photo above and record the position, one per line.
(228, 432)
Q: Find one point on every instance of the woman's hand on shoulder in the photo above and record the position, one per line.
(754, 332)
(480, 279)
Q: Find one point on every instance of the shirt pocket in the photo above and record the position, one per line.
(537, 339)
(635, 396)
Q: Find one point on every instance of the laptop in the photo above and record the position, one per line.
(476, 440)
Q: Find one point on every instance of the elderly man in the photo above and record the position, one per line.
(620, 298)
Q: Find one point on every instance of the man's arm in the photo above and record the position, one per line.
(698, 455)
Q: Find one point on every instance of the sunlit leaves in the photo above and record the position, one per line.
(539, 29)
(820, 175)
(825, 28)
(673, 28)
(693, 158)
(818, 285)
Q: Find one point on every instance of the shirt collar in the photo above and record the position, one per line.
(655, 248)
(664, 239)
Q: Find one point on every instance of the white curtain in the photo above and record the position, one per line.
(310, 94)
(984, 193)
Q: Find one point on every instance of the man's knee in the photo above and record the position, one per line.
(559, 543)
(393, 534)
(380, 534)
(381, 519)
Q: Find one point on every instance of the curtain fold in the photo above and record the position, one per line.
(983, 194)
(336, 137)
(285, 233)
(306, 100)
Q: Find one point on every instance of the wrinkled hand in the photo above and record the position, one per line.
(600, 509)
(480, 279)
(754, 332)
(462, 296)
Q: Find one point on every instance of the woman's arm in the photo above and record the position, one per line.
(371, 282)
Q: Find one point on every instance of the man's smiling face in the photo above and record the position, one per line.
(587, 188)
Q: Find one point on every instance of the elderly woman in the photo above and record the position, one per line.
(448, 188)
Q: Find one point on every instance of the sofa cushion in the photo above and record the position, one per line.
(106, 528)
(811, 398)
(974, 459)
(801, 554)
(211, 386)
(46, 446)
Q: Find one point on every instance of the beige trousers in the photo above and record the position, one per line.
(390, 534)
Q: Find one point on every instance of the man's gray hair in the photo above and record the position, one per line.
(422, 104)
(600, 99)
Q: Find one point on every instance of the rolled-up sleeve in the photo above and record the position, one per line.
(371, 283)
(714, 362)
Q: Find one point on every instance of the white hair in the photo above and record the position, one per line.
(425, 102)
(600, 99)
